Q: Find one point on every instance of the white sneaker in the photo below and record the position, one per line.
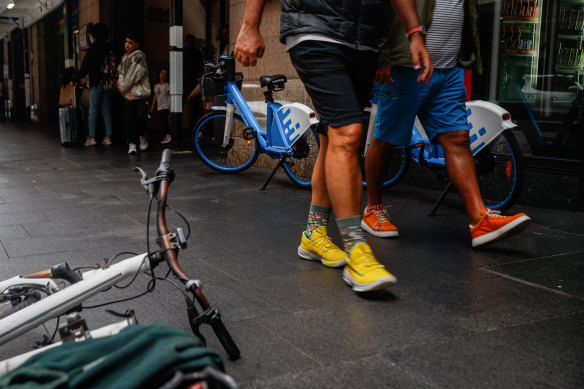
(132, 149)
(143, 143)
(167, 139)
(106, 141)
(89, 142)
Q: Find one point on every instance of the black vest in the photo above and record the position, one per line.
(360, 22)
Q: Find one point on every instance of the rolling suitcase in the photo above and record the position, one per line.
(69, 126)
(70, 118)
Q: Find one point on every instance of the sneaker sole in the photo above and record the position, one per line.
(379, 234)
(315, 257)
(382, 283)
(515, 227)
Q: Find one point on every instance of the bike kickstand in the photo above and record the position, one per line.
(279, 165)
(442, 196)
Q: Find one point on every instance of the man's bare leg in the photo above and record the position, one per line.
(343, 178)
(315, 243)
(376, 162)
(462, 172)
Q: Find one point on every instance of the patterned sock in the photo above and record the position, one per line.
(351, 232)
(317, 217)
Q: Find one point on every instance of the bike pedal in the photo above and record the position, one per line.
(248, 134)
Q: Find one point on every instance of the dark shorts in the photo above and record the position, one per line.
(337, 78)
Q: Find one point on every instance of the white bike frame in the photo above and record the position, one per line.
(93, 282)
(486, 122)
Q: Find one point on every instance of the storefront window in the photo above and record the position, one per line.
(541, 74)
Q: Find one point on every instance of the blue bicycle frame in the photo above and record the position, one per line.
(289, 135)
(281, 131)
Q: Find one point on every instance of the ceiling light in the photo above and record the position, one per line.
(10, 5)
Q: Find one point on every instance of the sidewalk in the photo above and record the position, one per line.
(508, 316)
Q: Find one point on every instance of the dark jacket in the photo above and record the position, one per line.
(395, 47)
(360, 22)
(92, 62)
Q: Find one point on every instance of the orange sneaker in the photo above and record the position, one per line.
(494, 227)
(376, 222)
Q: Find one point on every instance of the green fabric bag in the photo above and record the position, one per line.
(140, 356)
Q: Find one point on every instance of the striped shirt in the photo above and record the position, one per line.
(445, 33)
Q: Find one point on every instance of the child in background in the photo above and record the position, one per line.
(162, 102)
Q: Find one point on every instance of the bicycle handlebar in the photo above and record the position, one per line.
(165, 170)
(169, 248)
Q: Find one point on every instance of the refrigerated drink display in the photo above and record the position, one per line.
(520, 36)
(570, 53)
(541, 72)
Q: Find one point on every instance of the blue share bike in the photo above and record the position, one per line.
(231, 142)
(494, 148)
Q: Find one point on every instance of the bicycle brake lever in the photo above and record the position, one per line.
(147, 184)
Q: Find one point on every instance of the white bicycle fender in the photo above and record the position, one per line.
(486, 121)
(296, 119)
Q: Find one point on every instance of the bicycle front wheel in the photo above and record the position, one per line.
(500, 172)
(299, 167)
(18, 298)
(239, 153)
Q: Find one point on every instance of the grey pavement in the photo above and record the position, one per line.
(510, 315)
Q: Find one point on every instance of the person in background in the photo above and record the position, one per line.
(453, 43)
(99, 64)
(192, 72)
(162, 103)
(134, 85)
(333, 47)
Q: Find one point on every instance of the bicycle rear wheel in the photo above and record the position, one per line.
(500, 172)
(299, 167)
(238, 155)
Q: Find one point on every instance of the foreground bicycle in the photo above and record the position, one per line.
(29, 301)
(495, 150)
(231, 142)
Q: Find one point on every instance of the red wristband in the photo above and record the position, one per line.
(419, 29)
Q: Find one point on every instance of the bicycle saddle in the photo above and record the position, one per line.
(275, 81)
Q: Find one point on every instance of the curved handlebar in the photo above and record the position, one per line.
(165, 170)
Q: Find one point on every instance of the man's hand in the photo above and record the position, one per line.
(383, 75)
(421, 58)
(249, 46)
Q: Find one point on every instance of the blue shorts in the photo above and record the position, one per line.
(440, 105)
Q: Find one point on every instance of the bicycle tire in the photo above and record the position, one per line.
(240, 153)
(500, 172)
(397, 166)
(26, 297)
(299, 167)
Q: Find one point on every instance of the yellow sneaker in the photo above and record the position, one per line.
(320, 247)
(362, 271)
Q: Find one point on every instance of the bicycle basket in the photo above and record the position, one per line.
(239, 80)
(212, 85)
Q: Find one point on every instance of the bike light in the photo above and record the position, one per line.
(249, 142)
(509, 169)
(312, 115)
(506, 116)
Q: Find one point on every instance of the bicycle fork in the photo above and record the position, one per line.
(228, 124)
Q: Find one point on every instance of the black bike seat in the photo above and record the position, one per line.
(277, 80)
